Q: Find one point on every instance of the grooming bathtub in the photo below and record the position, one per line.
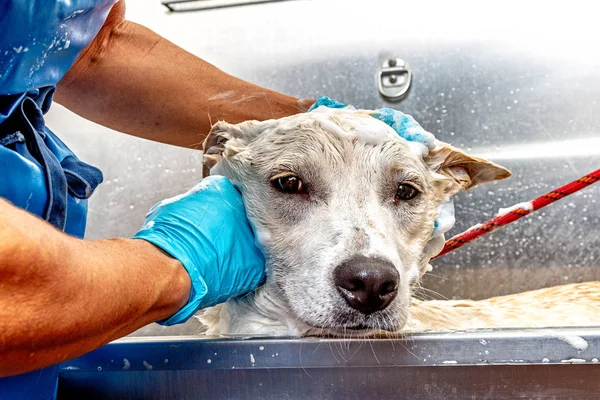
(516, 82)
(530, 364)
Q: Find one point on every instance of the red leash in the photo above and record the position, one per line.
(518, 213)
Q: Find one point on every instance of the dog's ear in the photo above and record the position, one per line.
(462, 169)
(225, 140)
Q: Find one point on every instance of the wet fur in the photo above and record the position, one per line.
(352, 176)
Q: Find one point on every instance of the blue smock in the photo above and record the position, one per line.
(39, 42)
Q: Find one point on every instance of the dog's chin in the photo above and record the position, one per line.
(359, 330)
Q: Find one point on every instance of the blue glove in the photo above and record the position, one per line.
(409, 129)
(207, 230)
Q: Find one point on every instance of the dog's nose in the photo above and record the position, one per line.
(367, 284)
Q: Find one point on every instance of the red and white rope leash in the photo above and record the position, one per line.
(518, 213)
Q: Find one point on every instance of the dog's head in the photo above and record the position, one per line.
(343, 208)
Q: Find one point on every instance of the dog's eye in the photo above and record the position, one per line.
(288, 184)
(406, 192)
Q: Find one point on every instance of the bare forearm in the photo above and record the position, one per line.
(137, 82)
(61, 297)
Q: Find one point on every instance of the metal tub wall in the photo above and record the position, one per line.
(554, 364)
(515, 82)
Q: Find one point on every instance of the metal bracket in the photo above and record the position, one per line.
(394, 79)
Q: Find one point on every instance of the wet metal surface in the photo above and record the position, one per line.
(496, 364)
(485, 78)
(517, 82)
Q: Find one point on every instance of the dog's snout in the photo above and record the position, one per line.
(368, 285)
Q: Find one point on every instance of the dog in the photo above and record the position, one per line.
(344, 209)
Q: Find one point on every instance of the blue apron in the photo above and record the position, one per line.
(39, 41)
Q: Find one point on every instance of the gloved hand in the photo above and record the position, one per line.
(207, 230)
(409, 129)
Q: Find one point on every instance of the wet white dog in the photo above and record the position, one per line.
(344, 209)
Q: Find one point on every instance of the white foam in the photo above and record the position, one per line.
(200, 186)
(364, 128)
(74, 14)
(223, 95)
(418, 149)
(148, 225)
(525, 206)
(147, 365)
(445, 219)
(218, 169)
(474, 227)
(576, 342)
(573, 361)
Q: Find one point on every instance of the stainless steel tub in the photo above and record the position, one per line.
(518, 82)
(553, 364)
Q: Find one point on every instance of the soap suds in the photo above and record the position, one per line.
(573, 361)
(445, 219)
(262, 236)
(354, 125)
(74, 14)
(419, 150)
(576, 342)
(126, 364)
(528, 206)
(474, 227)
(218, 169)
(450, 362)
(247, 97)
(147, 365)
(224, 95)
(148, 225)
(200, 186)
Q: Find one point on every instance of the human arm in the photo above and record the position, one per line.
(132, 80)
(61, 297)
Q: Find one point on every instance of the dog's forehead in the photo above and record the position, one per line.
(346, 124)
(354, 125)
(333, 129)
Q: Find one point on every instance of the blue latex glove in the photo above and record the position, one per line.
(409, 129)
(207, 230)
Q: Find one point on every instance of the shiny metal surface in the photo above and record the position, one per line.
(486, 364)
(522, 88)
